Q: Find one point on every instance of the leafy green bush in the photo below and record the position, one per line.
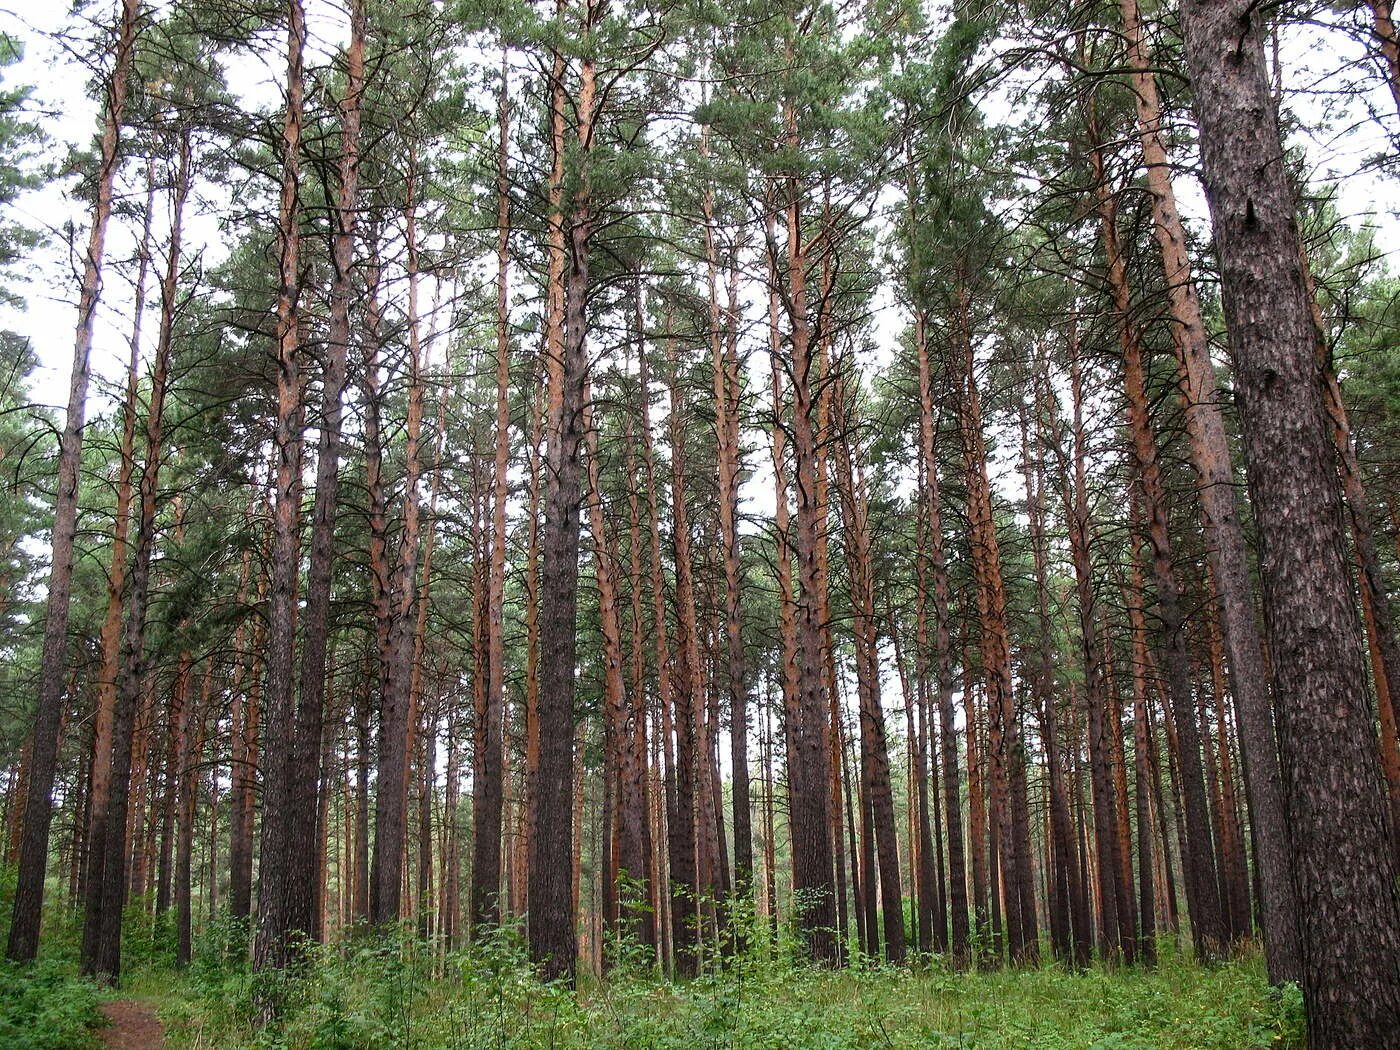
(43, 1006)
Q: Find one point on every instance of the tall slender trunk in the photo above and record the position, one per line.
(813, 855)
(1202, 887)
(551, 917)
(724, 334)
(1344, 861)
(688, 842)
(976, 808)
(633, 820)
(298, 823)
(189, 732)
(486, 818)
(23, 940)
(396, 720)
(1142, 743)
(874, 750)
(623, 817)
(933, 560)
(1067, 900)
(1010, 803)
(1210, 454)
(109, 641)
(283, 902)
(102, 930)
(1112, 896)
(680, 886)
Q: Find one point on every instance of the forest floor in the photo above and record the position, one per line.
(367, 996)
(131, 1025)
(389, 994)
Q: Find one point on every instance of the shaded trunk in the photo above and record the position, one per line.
(396, 717)
(1009, 796)
(933, 561)
(551, 917)
(874, 750)
(1111, 895)
(109, 641)
(813, 857)
(488, 782)
(1067, 899)
(688, 838)
(297, 888)
(284, 895)
(1202, 888)
(1344, 862)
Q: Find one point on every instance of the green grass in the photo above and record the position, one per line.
(373, 996)
(387, 993)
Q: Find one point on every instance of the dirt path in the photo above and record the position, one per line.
(133, 1027)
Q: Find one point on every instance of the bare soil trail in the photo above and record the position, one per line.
(133, 1026)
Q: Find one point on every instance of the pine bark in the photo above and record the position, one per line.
(103, 918)
(1344, 865)
(551, 917)
(283, 902)
(874, 749)
(488, 790)
(813, 856)
(1202, 886)
(109, 640)
(933, 561)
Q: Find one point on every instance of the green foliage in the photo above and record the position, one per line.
(391, 992)
(43, 1006)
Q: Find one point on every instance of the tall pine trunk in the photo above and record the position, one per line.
(283, 903)
(23, 940)
(1210, 454)
(1344, 861)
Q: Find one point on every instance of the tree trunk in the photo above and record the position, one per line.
(724, 353)
(811, 798)
(1210, 454)
(102, 931)
(1344, 862)
(1068, 898)
(1075, 496)
(100, 777)
(874, 751)
(1388, 43)
(1202, 887)
(396, 719)
(486, 817)
(284, 900)
(551, 918)
(23, 940)
(688, 844)
(299, 822)
(1010, 804)
(933, 560)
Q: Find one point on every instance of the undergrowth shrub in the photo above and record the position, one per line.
(392, 990)
(44, 1006)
